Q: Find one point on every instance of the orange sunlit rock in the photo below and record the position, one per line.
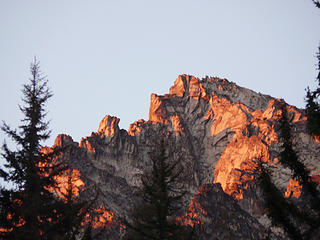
(178, 89)
(294, 189)
(271, 113)
(194, 212)
(239, 155)
(85, 143)
(66, 180)
(194, 87)
(226, 115)
(69, 180)
(244, 147)
(276, 160)
(177, 126)
(157, 112)
(316, 138)
(136, 128)
(295, 115)
(62, 140)
(190, 84)
(109, 126)
(204, 94)
(101, 218)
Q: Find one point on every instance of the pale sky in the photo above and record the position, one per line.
(107, 57)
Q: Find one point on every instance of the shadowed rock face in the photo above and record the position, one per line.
(222, 217)
(215, 129)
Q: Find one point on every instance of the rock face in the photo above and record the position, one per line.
(223, 217)
(216, 130)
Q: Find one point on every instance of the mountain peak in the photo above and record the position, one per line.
(109, 126)
(216, 130)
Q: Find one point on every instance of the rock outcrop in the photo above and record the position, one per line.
(217, 130)
(222, 216)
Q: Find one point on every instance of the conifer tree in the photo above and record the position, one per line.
(278, 208)
(313, 105)
(70, 224)
(289, 158)
(31, 209)
(281, 211)
(161, 200)
(316, 3)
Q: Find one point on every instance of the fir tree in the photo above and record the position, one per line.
(278, 208)
(289, 158)
(161, 195)
(281, 211)
(313, 106)
(313, 113)
(74, 211)
(32, 210)
(316, 3)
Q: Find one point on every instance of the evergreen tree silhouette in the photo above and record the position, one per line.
(289, 158)
(283, 212)
(316, 3)
(31, 209)
(279, 209)
(313, 105)
(161, 195)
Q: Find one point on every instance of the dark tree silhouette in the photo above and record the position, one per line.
(313, 105)
(278, 208)
(289, 158)
(283, 212)
(31, 209)
(161, 200)
(317, 3)
(70, 224)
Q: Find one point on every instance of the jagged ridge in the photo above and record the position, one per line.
(217, 129)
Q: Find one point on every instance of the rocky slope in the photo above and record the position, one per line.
(216, 130)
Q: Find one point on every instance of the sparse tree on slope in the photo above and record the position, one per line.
(161, 195)
(278, 208)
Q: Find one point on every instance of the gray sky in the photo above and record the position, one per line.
(107, 57)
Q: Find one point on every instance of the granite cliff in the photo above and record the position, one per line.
(216, 130)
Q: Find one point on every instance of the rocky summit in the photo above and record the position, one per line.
(217, 130)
